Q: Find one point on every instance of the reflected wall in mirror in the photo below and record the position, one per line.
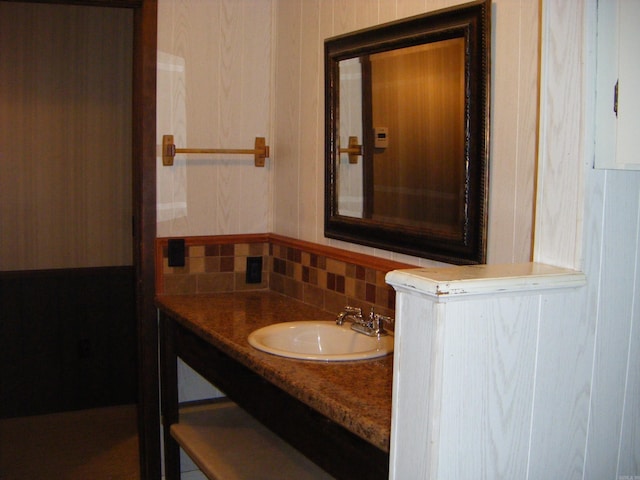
(407, 135)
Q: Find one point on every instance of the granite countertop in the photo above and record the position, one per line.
(356, 395)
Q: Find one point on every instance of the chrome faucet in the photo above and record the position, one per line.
(372, 326)
(353, 314)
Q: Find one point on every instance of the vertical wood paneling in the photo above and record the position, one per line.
(514, 131)
(611, 245)
(512, 157)
(256, 115)
(230, 101)
(417, 395)
(226, 50)
(629, 453)
(488, 381)
(563, 376)
(287, 120)
(311, 122)
(66, 136)
(559, 204)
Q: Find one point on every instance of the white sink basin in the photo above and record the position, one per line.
(319, 340)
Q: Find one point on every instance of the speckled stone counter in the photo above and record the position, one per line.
(356, 395)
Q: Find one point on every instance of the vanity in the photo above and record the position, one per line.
(338, 414)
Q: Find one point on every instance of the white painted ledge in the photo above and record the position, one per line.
(457, 283)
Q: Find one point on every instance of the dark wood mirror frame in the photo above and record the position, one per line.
(472, 22)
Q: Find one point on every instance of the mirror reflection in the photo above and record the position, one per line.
(407, 129)
(416, 153)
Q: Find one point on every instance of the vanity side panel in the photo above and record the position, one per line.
(563, 387)
(416, 397)
(487, 387)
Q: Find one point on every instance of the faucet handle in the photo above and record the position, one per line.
(352, 310)
(378, 322)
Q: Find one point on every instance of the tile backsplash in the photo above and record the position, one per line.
(325, 277)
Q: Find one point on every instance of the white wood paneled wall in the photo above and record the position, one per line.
(302, 27)
(214, 92)
(581, 381)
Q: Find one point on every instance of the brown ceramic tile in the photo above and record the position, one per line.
(335, 266)
(305, 274)
(340, 283)
(313, 276)
(195, 251)
(360, 272)
(227, 250)
(305, 259)
(334, 302)
(360, 290)
(289, 269)
(279, 266)
(392, 300)
(370, 275)
(215, 282)
(257, 249)
(350, 270)
(382, 296)
(297, 272)
(179, 284)
(240, 264)
(350, 287)
(212, 250)
(242, 285)
(241, 250)
(211, 264)
(292, 288)
(322, 278)
(331, 281)
(276, 282)
(196, 264)
(313, 296)
(370, 293)
(227, 264)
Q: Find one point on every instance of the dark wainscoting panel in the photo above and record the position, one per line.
(67, 340)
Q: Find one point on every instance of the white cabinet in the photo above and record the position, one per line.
(617, 142)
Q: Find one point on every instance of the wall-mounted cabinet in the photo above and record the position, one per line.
(617, 77)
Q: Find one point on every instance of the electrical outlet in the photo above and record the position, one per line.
(176, 252)
(254, 270)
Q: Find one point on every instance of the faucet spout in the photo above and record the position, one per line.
(353, 314)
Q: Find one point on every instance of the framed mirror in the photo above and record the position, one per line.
(407, 135)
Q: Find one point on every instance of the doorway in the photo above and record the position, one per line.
(139, 270)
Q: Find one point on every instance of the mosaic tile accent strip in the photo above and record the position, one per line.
(327, 283)
(316, 279)
(214, 268)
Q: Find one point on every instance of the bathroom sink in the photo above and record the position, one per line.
(319, 340)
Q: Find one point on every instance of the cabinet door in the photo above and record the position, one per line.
(617, 80)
